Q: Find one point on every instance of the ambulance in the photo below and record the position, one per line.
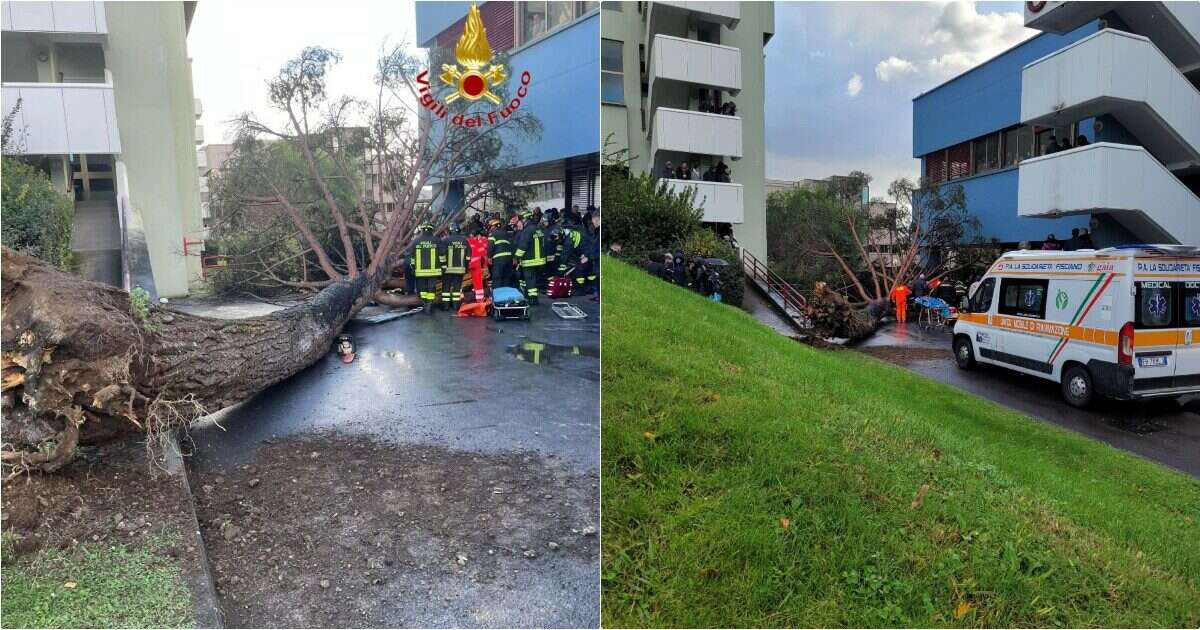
(1119, 322)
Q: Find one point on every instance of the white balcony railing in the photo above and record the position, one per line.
(1122, 180)
(721, 202)
(54, 17)
(63, 118)
(696, 62)
(697, 132)
(1113, 72)
(199, 135)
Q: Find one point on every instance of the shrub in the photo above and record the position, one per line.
(644, 216)
(37, 217)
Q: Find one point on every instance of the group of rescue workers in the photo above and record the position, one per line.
(529, 252)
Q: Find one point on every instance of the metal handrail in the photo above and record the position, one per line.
(769, 280)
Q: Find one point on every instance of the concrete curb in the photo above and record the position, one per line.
(206, 605)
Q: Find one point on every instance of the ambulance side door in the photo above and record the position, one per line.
(1187, 352)
(983, 303)
(1156, 329)
(1022, 304)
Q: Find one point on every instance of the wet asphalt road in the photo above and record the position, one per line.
(470, 384)
(1163, 431)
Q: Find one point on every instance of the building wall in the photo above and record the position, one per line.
(147, 55)
(982, 100)
(565, 66)
(624, 126)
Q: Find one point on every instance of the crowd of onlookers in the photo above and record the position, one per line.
(718, 172)
(700, 275)
(711, 106)
(1080, 239)
(1054, 145)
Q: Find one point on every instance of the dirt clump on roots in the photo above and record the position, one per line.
(905, 356)
(106, 495)
(330, 530)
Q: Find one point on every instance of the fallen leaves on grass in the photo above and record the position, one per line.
(919, 500)
(650, 435)
(710, 397)
(962, 609)
(70, 584)
(785, 523)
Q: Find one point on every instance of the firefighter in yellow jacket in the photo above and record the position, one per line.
(453, 255)
(530, 256)
(427, 270)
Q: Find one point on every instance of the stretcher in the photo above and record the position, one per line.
(509, 303)
(566, 310)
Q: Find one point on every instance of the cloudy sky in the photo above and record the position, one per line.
(237, 46)
(841, 78)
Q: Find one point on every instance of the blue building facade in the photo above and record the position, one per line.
(557, 43)
(968, 132)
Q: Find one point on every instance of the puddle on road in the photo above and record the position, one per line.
(541, 353)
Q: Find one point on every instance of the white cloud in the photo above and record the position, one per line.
(893, 67)
(938, 39)
(854, 85)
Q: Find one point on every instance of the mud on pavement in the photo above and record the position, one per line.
(328, 530)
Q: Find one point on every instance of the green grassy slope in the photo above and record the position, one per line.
(715, 428)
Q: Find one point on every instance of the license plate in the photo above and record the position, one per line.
(1147, 362)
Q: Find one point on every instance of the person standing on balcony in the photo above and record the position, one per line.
(668, 171)
(1051, 243)
(684, 172)
(1051, 146)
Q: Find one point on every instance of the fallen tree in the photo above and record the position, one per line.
(832, 315)
(83, 361)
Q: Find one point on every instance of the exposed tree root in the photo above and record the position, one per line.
(79, 367)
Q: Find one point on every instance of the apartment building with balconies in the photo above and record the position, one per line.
(1115, 84)
(106, 108)
(684, 82)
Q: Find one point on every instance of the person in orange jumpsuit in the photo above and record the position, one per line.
(900, 297)
(479, 260)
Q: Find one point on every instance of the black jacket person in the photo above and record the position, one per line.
(500, 251)
(531, 257)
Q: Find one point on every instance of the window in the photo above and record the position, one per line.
(981, 302)
(1191, 304)
(1010, 147)
(608, 5)
(586, 7)
(1023, 298)
(539, 18)
(612, 74)
(987, 153)
(959, 161)
(1155, 304)
(935, 167)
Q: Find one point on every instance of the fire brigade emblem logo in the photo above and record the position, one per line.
(474, 75)
(1061, 299)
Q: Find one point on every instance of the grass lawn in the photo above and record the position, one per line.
(749, 480)
(95, 586)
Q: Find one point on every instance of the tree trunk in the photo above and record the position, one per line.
(78, 364)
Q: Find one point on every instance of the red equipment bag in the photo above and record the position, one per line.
(558, 287)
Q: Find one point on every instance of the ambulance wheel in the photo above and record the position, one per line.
(1077, 386)
(964, 354)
